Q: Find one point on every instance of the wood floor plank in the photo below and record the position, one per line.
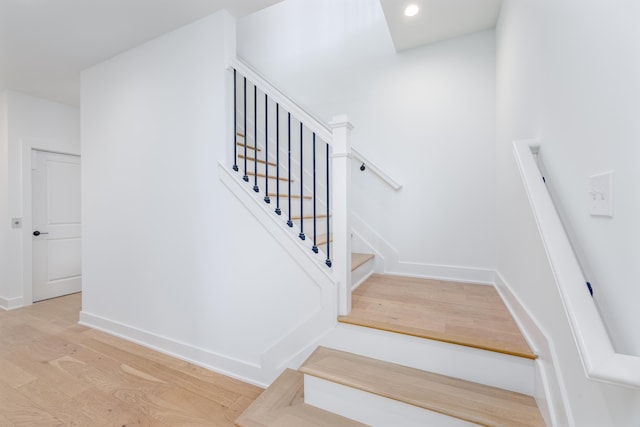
(476, 403)
(21, 411)
(458, 313)
(200, 374)
(58, 373)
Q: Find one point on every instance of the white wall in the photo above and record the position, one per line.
(425, 116)
(572, 82)
(170, 257)
(45, 125)
(4, 198)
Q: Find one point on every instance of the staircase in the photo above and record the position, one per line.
(406, 351)
(413, 352)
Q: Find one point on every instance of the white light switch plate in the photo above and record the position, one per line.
(600, 194)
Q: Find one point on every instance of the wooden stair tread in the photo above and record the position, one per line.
(253, 159)
(459, 313)
(476, 403)
(322, 239)
(261, 175)
(357, 259)
(298, 217)
(249, 147)
(293, 196)
(282, 405)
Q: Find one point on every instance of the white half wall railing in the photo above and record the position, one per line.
(599, 358)
(262, 118)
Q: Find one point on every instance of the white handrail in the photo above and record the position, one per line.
(599, 359)
(322, 130)
(375, 169)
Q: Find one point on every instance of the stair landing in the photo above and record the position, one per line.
(458, 313)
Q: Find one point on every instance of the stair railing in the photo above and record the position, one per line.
(315, 169)
(600, 360)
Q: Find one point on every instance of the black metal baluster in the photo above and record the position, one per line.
(255, 139)
(278, 211)
(235, 122)
(328, 261)
(245, 177)
(289, 222)
(266, 149)
(315, 230)
(301, 235)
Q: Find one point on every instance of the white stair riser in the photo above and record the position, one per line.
(371, 409)
(471, 364)
(362, 273)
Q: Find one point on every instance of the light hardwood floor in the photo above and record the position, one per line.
(54, 372)
(459, 313)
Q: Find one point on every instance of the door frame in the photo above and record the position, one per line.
(28, 146)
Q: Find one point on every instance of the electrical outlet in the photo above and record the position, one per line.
(601, 194)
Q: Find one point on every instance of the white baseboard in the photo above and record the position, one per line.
(294, 344)
(388, 259)
(548, 389)
(239, 369)
(10, 303)
(453, 273)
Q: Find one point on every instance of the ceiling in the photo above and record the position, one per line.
(45, 44)
(438, 20)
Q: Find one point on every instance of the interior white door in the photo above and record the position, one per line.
(56, 224)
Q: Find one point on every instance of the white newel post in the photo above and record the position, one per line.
(341, 171)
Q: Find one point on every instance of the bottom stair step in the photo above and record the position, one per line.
(433, 393)
(357, 259)
(282, 405)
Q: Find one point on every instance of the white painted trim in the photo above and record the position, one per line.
(235, 368)
(550, 393)
(599, 358)
(454, 273)
(27, 146)
(340, 207)
(357, 155)
(10, 303)
(387, 260)
(322, 130)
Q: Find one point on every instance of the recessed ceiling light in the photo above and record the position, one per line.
(411, 10)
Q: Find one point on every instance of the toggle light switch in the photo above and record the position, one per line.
(601, 194)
